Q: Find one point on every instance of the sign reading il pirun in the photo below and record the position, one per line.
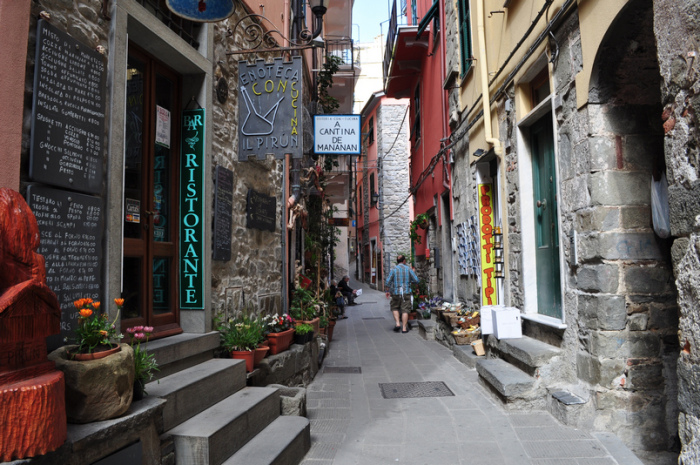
(192, 210)
(270, 117)
(67, 142)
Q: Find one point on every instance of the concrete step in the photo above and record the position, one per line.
(528, 351)
(284, 442)
(213, 435)
(197, 388)
(504, 378)
(426, 328)
(466, 355)
(176, 353)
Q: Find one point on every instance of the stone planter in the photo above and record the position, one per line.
(99, 389)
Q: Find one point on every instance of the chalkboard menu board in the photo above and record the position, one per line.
(68, 115)
(261, 211)
(70, 225)
(223, 206)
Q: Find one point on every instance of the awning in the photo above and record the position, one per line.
(429, 16)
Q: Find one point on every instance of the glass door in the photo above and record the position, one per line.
(151, 162)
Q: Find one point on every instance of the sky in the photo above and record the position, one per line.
(366, 18)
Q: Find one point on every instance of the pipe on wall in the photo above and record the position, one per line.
(483, 69)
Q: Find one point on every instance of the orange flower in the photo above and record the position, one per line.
(119, 302)
(88, 300)
(79, 303)
(96, 306)
(104, 333)
(85, 312)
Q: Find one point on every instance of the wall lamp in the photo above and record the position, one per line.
(318, 8)
(374, 198)
(479, 152)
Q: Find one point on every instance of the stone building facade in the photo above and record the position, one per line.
(621, 105)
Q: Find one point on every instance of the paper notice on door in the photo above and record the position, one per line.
(162, 126)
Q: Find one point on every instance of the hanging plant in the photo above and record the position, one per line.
(331, 66)
(421, 221)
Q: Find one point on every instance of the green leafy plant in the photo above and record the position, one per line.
(420, 221)
(331, 66)
(303, 329)
(145, 364)
(241, 333)
(94, 331)
(304, 305)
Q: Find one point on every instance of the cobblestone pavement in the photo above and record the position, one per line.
(352, 422)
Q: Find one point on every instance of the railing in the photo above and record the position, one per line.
(390, 40)
(343, 49)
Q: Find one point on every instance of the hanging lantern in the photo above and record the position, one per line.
(202, 10)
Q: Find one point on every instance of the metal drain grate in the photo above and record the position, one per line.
(374, 318)
(342, 370)
(409, 390)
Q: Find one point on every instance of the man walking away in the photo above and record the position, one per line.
(399, 284)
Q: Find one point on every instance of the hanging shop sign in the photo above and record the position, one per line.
(488, 278)
(337, 134)
(192, 210)
(202, 10)
(270, 116)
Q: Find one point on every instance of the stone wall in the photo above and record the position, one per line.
(392, 140)
(676, 27)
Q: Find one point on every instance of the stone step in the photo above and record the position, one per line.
(197, 388)
(176, 353)
(213, 435)
(284, 442)
(466, 355)
(426, 328)
(507, 380)
(532, 353)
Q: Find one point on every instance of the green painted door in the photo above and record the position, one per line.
(546, 222)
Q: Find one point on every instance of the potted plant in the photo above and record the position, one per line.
(421, 221)
(144, 363)
(303, 333)
(97, 368)
(279, 330)
(305, 307)
(262, 347)
(240, 337)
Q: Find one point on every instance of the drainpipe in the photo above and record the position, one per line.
(483, 68)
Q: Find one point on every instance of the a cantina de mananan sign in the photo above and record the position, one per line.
(192, 210)
(270, 103)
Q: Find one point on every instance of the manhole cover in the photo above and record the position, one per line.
(408, 390)
(374, 318)
(342, 370)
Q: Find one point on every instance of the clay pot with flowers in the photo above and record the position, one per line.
(145, 364)
(99, 371)
(240, 336)
(279, 331)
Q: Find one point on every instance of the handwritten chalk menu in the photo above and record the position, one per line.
(67, 142)
(223, 206)
(70, 225)
(261, 211)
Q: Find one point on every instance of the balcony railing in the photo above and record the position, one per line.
(343, 49)
(390, 42)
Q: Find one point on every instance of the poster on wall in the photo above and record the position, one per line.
(270, 119)
(489, 289)
(192, 210)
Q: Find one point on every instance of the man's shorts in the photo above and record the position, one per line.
(401, 304)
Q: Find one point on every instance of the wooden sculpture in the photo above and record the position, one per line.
(32, 398)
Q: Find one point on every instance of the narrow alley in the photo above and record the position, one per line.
(353, 423)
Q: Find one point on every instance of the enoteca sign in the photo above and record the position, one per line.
(337, 134)
(270, 109)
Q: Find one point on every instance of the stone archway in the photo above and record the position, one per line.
(634, 339)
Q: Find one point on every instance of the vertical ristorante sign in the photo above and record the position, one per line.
(270, 115)
(192, 210)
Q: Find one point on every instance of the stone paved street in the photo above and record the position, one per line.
(352, 423)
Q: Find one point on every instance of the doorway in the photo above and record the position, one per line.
(151, 162)
(544, 182)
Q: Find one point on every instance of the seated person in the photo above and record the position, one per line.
(338, 299)
(347, 291)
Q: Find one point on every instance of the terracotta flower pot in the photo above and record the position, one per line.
(247, 355)
(260, 353)
(94, 355)
(279, 342)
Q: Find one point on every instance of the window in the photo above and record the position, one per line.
(371, 131)
(373, 196)
(415, 130)
(539, 87)
(414, 12)
(464, 36)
